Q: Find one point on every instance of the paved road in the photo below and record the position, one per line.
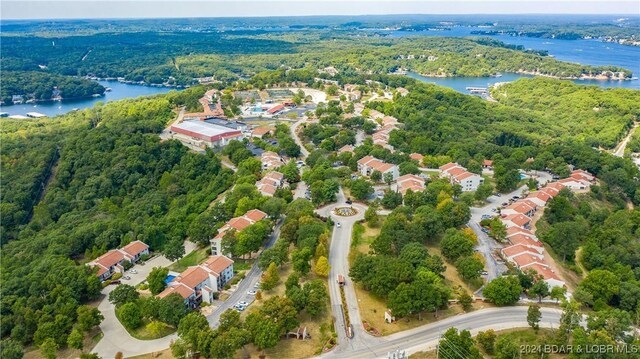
(251, 278)
(619, 150)
(426, 337)
(338, 259)
(116, 338)
(294, 134)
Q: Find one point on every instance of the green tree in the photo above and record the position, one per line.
(391, 200)
(376, 176)
(558, 293)
(506, 348)
(122, 294)
(540, 289)
(156, 279)
(487, 340)
(601, 284)
(10, 349)
(322, 267)
(174, 249)
(465, 301)
(361, 189)
(469, 267)
(48, 348)
(388, 178)
(130, 316)
(264, 333)
(190, 328)
(171, 309)
(270, 278)
(75, 340)
(88, 318)
(300, 259)
(483, 191)
(533, 317)
(503, 290)
(371, 216)
(456, 244)
(453, 345)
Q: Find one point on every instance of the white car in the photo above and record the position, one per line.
(242, 303)
(338, 224)
(133, 271)
(251, 292)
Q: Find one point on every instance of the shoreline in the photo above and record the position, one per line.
(62, 99)
(601, 77)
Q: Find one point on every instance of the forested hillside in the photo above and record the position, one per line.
(600, 117)
(114, 182)
(177, 57)
(40, 86)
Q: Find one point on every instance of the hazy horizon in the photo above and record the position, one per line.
(150, 9)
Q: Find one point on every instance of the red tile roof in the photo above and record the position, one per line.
(525, 240)
(514, 230)
(110, 258)
(218, 263)
(134, 248)
(448, 166)
(517, 249)
(238, 223)
(255, 215)
(546, 272)
(416, 156)
(518, 219)
(192, 276)
(526, 259)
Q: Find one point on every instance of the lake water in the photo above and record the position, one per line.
(118, 91)
(588, 52)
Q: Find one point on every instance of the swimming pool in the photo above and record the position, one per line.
(169, 278)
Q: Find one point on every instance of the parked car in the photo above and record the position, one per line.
(133, 271)
(348, 201)
(126, 277)
(516, 197)
(117, 281)
(239, 308)
(338, 224)
(504, 204)
(484, 272)
(242, 303)
(251, 292)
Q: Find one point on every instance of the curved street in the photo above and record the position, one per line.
(426, 337)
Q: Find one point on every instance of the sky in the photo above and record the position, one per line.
(84, 9)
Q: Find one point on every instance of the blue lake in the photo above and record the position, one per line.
(118, 91)
(588, 52)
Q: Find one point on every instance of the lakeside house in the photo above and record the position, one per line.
(114, 260)
(201, 283)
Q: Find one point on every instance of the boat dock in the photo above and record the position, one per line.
(478, 90)
(36, 115)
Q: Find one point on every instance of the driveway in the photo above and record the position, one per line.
(252, 277)
(487, 245)
(338, 259)
(116, 338)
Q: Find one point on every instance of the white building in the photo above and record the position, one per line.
(368, 164)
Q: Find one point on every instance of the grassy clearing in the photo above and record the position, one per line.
(242, 264)
(320, 328)
(143, 332)
(372, 311)
(191, 259)
(451, 277)
(90, 340)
